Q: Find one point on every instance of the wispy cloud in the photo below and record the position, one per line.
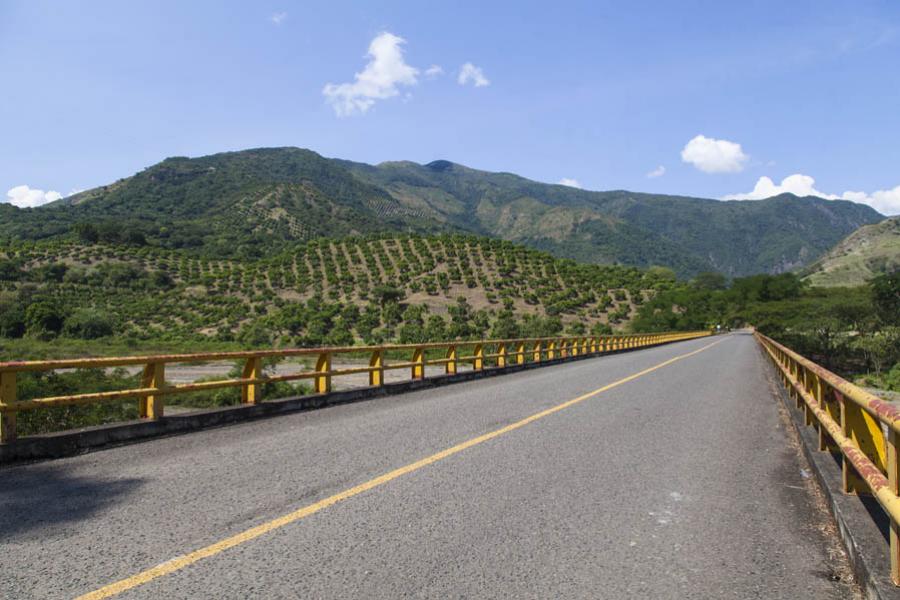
(884, 201)
(278, 18)
(26, 197)
(380, 79)
(569, 182)
(714, 156)
(657, 172)
(434, 71)
(469, 73)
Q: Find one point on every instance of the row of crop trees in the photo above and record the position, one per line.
(172, 294)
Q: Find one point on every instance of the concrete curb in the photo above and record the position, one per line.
(78, 441)
(862, 524)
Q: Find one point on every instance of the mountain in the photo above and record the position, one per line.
(867, 252)
(255, 201)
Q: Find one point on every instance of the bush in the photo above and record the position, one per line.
(88, 324)
(44, 317)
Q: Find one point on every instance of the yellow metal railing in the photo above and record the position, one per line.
(153, 388)
(852, 422)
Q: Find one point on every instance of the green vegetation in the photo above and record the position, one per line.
(853, 331)
(259, 203)
(282, 247)
(105, 295)
(869, 251)
(71, 297)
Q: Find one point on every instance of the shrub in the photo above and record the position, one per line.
(88, 324)
(44, 317)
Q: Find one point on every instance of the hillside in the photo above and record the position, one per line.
(408, 288)
(867, 252)
(258, 202)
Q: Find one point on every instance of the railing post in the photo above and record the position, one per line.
(893, 472)
(538, 354)
(450, 367)
(866, 433)
(376, 363)
(551, 350)
(501, 351)
(8, 412)
(154, 376)
(808, 418)
(323, 366)
(593, 345)
(830, 405)
(251, 393)
(418, 368)
(520, 353)
(478, 361)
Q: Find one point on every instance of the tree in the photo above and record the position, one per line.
(12, 317)
(710, 280)
(505, 325)
(9, 270)
(385, 294)
(885, 294)
(88, 324)
(44, 318)
(87, 233)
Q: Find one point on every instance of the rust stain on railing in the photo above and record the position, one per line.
(871, 463)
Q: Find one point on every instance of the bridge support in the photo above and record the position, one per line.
(323, 373)
(418, 360)
(478, 358)
(153, 406)
(450, 367)
(251, 393)
(376, 362)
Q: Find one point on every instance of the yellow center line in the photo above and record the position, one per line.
(180, 562)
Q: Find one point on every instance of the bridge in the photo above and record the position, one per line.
(652, 467)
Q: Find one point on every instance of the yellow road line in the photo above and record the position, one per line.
(180, 562)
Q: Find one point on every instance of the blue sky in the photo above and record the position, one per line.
(602, 93)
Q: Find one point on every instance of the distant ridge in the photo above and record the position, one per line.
(256, 201)
(869, 251)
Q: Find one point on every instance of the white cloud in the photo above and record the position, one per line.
(714, 156)
(887, 202)
(569, 182)
(470, 73)
(884, 201)
(278, 18)
(25, 197)
(657, 172)
(434, 71)
(380, 79)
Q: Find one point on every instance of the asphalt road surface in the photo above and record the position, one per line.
(679, 482)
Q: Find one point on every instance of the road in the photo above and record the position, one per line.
(661, 473)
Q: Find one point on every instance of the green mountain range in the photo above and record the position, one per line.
(869, 251)
(257, 202)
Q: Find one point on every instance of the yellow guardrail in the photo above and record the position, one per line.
(860, 426)
(153, 388)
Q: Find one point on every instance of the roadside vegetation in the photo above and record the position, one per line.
(101, 292)
(854, 331)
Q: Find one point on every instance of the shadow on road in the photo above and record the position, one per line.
(45, 497)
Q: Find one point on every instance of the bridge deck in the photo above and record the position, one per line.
(678, 483)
